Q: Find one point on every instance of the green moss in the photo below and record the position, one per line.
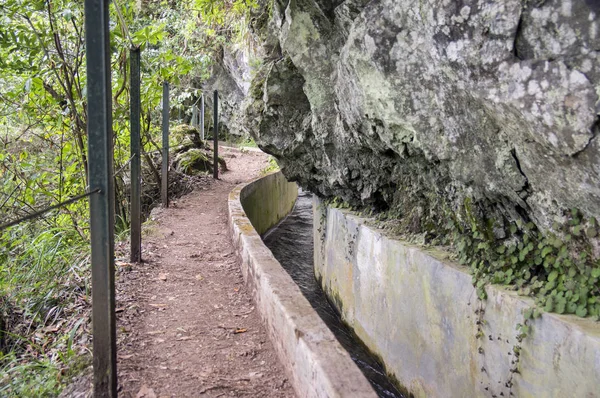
(194, 161)
(557, 269)
(186, 135)
(273, 166)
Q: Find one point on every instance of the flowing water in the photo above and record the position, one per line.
(292, 245)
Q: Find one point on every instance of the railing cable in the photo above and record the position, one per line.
(43, 211)
(123, 23)
(116, 173)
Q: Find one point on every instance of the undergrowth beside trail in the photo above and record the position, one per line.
(44, 264)
(45, 310)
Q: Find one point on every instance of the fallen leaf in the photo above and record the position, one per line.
(240, 330)
(162, 277)
(199, 277)
(126, 356)
(158, 305)
(145, 392)
(156, 332)
(184, 338)
(120, 309)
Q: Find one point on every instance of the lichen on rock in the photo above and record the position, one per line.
(407, 105)
(471, 124)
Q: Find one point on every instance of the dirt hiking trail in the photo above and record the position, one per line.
(187, 326)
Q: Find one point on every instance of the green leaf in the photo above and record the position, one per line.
(552, 276)
(581, 311)
(574, 212)
(546, 250)
(549, 304)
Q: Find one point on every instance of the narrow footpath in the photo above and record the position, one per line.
(187, 326)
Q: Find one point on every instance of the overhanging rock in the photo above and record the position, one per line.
(411, 105)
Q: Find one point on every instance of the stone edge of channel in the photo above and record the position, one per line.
(314, 360)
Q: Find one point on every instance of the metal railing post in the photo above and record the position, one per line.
(165, 147)
(102, 208)
(194, 116)
(216, 135)
(202, 117)
(136, 164)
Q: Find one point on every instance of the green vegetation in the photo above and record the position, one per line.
(247, 142)
(273, 166)
(250, 143)
(44, 264)
(558, 269)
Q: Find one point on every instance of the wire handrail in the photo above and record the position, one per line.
(47, 209)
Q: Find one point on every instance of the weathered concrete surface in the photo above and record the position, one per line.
(419, 314)
(316, 363)
(412, 105)
(268, 200)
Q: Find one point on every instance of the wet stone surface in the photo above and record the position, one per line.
(292, 245)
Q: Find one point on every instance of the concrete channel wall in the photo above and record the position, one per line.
(314, 360)
(420, 315)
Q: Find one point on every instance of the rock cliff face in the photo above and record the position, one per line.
(419, 105)
(231, 76)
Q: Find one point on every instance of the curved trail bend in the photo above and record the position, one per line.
(187, 326)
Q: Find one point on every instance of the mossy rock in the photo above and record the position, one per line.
(197, 161)
(222, 163)
(185, 134)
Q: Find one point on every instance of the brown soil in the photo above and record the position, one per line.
(187, 326)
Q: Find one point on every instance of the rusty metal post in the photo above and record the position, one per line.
(216, 136)
(102, 207)
(194, 121)
(136, 164)
(202, 117)
(165, 147)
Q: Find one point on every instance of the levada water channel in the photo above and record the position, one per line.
(292, 245)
